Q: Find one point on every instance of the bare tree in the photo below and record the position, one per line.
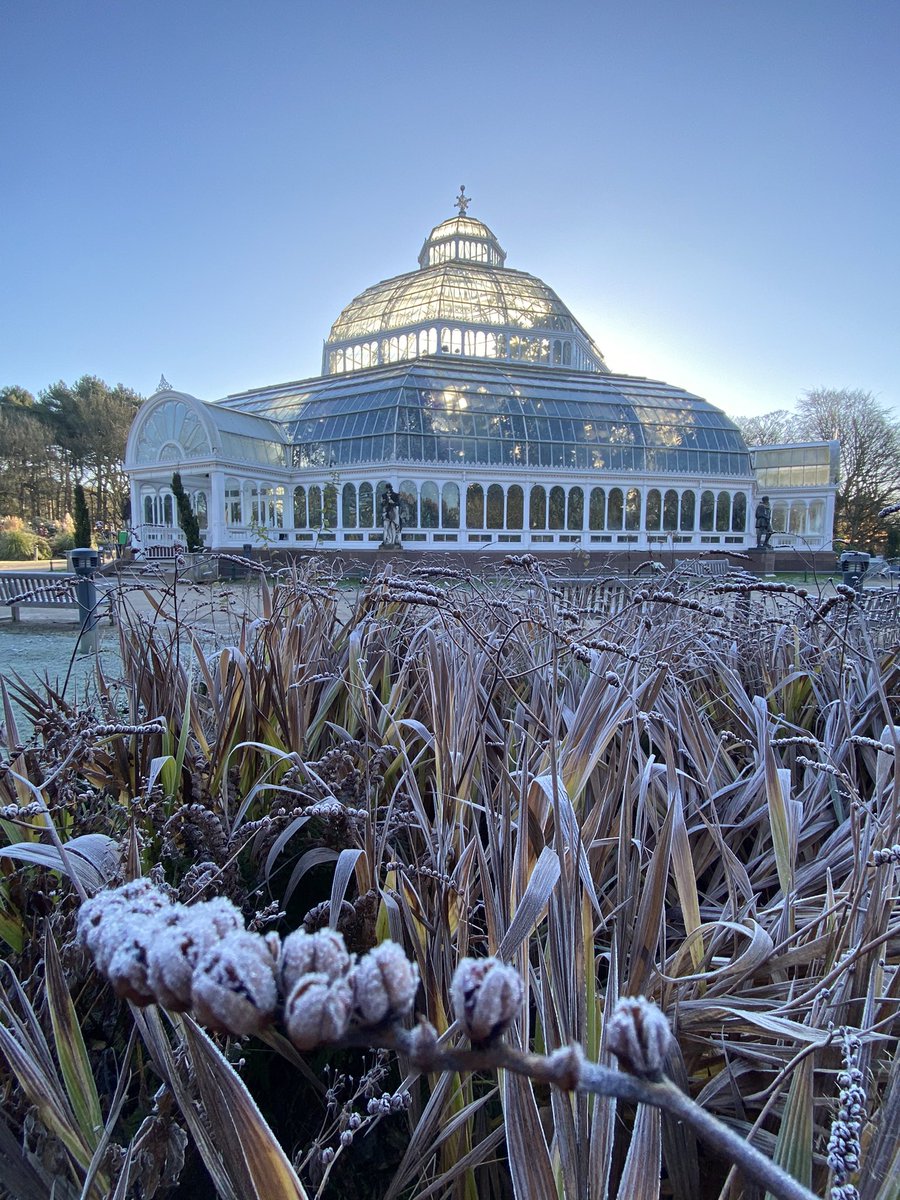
(870, 456)
(767, 430)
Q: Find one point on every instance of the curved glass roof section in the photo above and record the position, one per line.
(464, 412)
(462, 301)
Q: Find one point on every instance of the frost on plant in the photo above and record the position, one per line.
(318, 1010)
(487, 997)
(385, 984)
(233, 987)
(640, 1036)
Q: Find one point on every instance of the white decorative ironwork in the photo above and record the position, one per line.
(462, 201)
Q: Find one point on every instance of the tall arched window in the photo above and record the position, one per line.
(200, 509)
(739, 513)
(707, 511)
(670, 511)
(429, 505)
(330, 506)
(654, 510)
(409, 504)
(723, 512)
(537, 508)
(366, 506)
(148, 511)
(633, 509)
(615, 513)
(315, 506)
(474, 506)
(495, 506)
(688, 512)
(557, 508)
(575, 509)
(780, 516)
(299, 507)
(450, 506)
(597, 509)
(515, 507)
(167, 509)
(348, 506)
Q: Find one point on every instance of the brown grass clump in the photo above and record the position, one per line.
(690, 795)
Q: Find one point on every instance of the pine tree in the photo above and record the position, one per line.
(82, 519)
(186, 517)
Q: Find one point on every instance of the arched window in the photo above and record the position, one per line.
(495, 506)
(515, 507)
(557, 513)
(817, 517)
(474, 506)
(537, 508)
(615, 513)
(670, 511)
(739, 513)
(688, 511)
(299, 507)
(409, 504)
(348, 506)
(200, 509)
(597, 509)
(779, 516)
(315, 506)
(798, 517)
(723, 512)
(429, 505)
(167, 509)
(148, 510)
(329, 505)
(707, 511)
(654, 510)
(575, 509)
(633, 509)
(450, 506)
(366, 506)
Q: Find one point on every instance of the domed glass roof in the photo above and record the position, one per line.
(460, 411)
(463, 301)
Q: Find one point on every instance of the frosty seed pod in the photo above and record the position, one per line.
(322, 952)
(126, 943)
(233, 985)
(487, 996)
(639, 1034)
(144, 897)
(173, 956)
(318, 1010)
(219, 914)
(94, 913)
(384, 985)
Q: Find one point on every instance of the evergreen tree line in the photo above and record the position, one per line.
(66, 435)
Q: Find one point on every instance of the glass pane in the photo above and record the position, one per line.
(739, 513)
(575, 514)
(348, 506)
(330, 506)
(707, 512)
(723, 512)
(688, 507)
(670, 511)
(616, 511)
(515, 507)
(537, 508)
(315, 507)
(633, 509)
(654, 510)
(495, 506)
(557, 515)
(429, 505)
(450, 506)
(474, 506)
(597, 515)
(409, 505)
(366, 506)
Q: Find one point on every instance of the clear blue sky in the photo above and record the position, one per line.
(197, 187)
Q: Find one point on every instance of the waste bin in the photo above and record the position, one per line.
(854, 564)
(84, 561)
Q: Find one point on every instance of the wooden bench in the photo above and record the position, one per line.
(43, 589)
(596, 597)
(703, 568)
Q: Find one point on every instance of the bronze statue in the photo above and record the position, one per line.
(763, 524)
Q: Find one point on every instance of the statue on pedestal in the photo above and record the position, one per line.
(390, 518)
(763, 524)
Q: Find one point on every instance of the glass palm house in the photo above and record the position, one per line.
(471, 391)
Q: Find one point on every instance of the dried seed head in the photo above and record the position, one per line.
(384, 984)
(143, 896)
(322, 952)
(220, 914)
(125, 949)
(95, 913)
(173, 956)
(639, 1034)
(487, 996)
(233, 986)
(318, 1010)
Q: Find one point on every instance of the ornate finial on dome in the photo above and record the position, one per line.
(163, 385)
(462, 201)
